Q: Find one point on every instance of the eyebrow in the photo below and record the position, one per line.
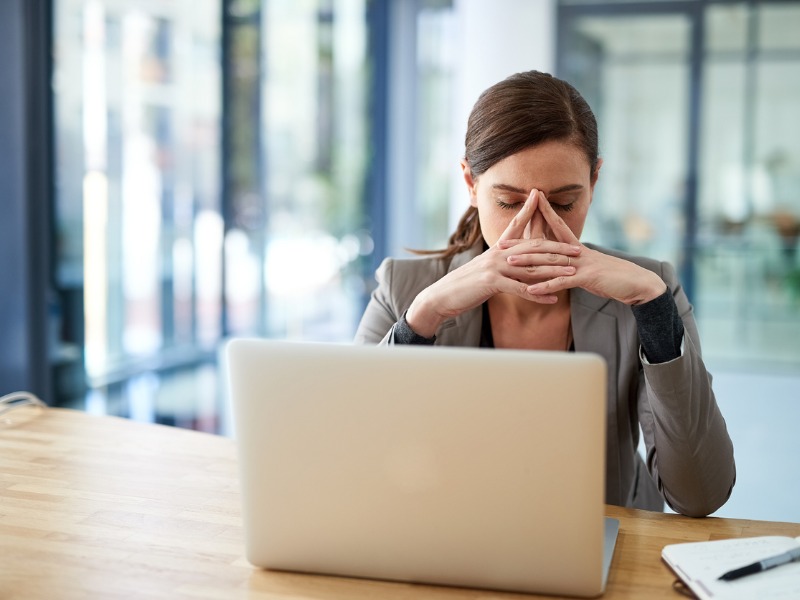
(572, 187)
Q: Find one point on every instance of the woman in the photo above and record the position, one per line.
(515, 275)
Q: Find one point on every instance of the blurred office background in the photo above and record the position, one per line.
(174, 173)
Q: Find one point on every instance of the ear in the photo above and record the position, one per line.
(471, 182)
(594, 177)
(596, 172)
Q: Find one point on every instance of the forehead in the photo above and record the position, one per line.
(544, 166)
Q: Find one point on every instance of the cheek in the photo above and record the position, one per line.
(493, 223)
(575, 220)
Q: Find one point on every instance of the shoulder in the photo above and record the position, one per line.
(422, 268)
(428, 268)
(403, 278)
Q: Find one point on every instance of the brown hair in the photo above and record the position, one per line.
(521, 111)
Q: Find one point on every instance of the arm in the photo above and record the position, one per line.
(384, 320)
(377, 322)
(689, 451)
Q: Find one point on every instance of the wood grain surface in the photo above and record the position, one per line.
(103, 507)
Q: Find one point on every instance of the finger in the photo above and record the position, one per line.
(527, 233)
(555, 258)
(517, 288)
(516, 228)
(532, 274)
(539, 245)
(559, 228)
(537, 221)
(551, 286)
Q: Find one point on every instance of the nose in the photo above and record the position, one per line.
(538, 226)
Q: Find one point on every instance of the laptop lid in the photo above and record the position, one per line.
(466, 467)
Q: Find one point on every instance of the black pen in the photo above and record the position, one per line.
(763, 565)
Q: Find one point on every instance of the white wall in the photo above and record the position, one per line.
(762, 413)
(496, 39)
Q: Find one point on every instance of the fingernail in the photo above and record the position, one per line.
(576, 248)
(569, 270)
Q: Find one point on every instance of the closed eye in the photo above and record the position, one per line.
(564, 201)
(509, 206)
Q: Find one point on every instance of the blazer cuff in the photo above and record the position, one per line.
(403, 334)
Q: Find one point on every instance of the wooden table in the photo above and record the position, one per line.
(102, 507)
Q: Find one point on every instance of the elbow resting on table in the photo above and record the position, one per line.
(705, 504)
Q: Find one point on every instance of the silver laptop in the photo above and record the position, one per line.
(454, 466)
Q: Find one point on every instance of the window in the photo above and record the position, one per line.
(315, 131)
(138, 221)
(695, 105)
(211, 167)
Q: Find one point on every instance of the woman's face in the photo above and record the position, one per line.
(557, 168)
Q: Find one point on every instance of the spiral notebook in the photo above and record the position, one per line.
(700, 564)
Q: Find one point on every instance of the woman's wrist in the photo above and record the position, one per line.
(421, 317)
(652, 288)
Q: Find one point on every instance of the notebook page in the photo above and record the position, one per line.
(700, 564)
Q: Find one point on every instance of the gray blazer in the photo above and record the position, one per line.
(689, 455)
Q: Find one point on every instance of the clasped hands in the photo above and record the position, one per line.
(535, 258)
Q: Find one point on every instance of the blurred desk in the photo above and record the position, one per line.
(103, 507)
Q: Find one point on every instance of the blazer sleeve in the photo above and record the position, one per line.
(381, 314)
(689, 451)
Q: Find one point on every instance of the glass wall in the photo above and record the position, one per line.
(315, 129)
(211, 168)
(696, 104)
(138, 222)
(637, 83)
(749, 200)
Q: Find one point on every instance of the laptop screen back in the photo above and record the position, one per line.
(467, 467)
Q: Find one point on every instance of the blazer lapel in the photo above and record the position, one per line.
(596, 331)
(592, 329)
